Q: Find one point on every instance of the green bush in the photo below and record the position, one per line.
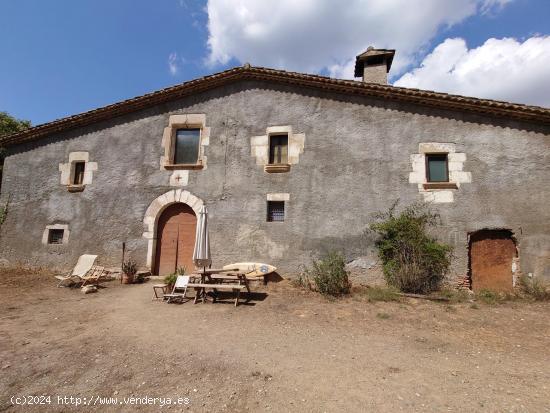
(170, 279)
(327, 276)
(413, 261)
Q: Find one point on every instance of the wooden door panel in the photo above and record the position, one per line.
(175, 239)
(168, 247)
(491, 257)
(186, 244)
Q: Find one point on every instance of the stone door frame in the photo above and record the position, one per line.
(154, 211)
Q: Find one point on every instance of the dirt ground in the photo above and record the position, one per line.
(287, 350)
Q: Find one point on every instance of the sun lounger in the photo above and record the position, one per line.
(83, 266)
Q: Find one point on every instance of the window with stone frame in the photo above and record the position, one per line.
(184, 141)
(78, 172)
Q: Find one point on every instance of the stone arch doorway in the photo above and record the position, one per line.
(491, 256)
(155, 211)
(175, 239)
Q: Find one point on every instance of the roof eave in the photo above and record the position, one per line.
(422, 97)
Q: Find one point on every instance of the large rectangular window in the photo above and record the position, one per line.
(437, 168)
(275, 211)
(186, 149)
(278, 149)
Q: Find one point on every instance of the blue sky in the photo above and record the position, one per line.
(64, 57)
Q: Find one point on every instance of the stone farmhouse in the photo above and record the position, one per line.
(289, 165)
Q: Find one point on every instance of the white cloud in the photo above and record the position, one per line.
(313, 35)
(173, 63)
(502, 69)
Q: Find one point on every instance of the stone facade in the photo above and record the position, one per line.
(353, 156)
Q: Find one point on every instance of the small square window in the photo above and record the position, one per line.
(275, 211)
(55, 236)
(186, 150)
(78, 173)
(437, 168)
(278, 149)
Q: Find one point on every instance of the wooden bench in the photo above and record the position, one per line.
(237, 288)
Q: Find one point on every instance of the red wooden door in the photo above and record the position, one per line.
(491, 257)
(175, 239)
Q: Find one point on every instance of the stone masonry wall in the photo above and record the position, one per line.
(356, 161)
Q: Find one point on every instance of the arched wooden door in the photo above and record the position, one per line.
(491, 256)
(175, 239)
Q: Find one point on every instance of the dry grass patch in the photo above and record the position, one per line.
(20, 276)
(534, 288)
(377, 293)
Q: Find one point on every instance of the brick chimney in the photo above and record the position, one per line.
(374, 64)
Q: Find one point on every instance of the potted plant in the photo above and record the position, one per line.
(170, 280)
(129, 270)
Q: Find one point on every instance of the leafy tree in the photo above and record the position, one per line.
(9, 125)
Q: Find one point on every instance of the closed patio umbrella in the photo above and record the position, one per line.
(201, 253)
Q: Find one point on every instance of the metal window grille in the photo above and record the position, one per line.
(275, 211)
(55, 236)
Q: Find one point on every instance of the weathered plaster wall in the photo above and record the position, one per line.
(356, 161)
(376, 74)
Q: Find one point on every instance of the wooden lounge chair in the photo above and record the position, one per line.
(83, 266)
(181, 284)
(93, 276)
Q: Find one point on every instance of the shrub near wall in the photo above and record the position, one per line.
(412, 260)
(327, 276)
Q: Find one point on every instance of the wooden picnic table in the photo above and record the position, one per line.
(212, 276)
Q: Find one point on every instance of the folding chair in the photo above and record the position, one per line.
(181, 284)
(83, 266)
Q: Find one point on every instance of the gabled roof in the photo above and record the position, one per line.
(247, 72)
